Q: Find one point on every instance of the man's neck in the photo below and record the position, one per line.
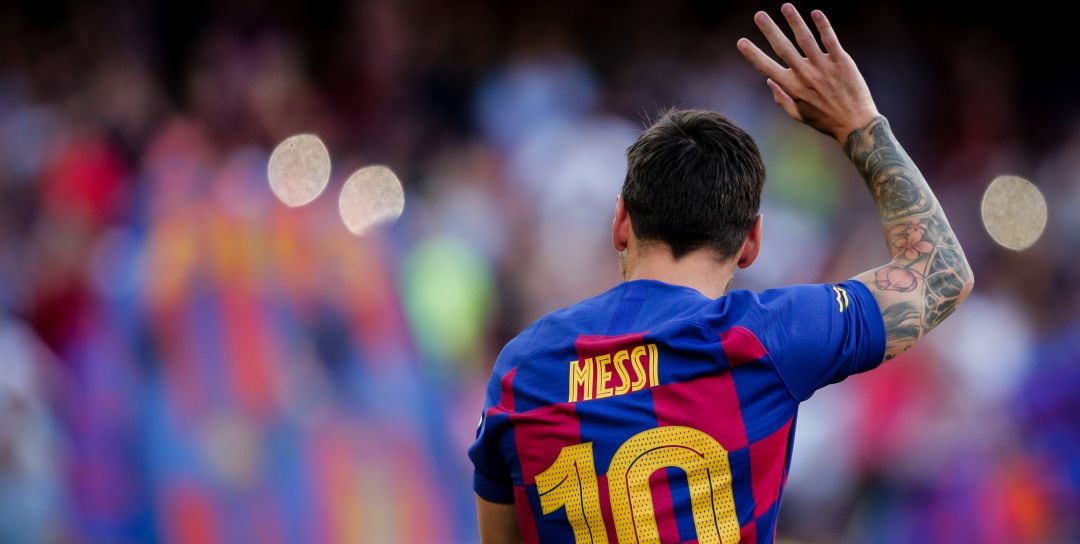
(698, 270)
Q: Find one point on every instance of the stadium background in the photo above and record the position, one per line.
(184, 359)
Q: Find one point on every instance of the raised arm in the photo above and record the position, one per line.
(928, 275)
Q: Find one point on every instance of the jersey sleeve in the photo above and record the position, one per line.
(491, 452)
(819, 334)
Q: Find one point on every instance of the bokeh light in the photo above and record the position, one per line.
(299, 169)
(1013, 212)
(371, 196)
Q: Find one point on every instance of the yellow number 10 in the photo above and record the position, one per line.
(570, 482)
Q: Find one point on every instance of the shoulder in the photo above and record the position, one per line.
(810, 312)
(790, 296)
(554, 328)
(771, 313)
(737, 306)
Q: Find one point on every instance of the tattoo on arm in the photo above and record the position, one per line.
(929, 275)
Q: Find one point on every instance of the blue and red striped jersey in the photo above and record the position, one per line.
(652, 413)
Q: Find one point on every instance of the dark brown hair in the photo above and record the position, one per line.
(694, 180)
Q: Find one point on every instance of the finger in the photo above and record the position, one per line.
(783, 99)
(828, 35)
(803, 36)
(779, 42)
(761, 61)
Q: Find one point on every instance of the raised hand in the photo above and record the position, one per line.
(823, 89)
(928, 276)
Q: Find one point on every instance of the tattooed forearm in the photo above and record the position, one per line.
(895, 182)
(901, 321)
(929, 275)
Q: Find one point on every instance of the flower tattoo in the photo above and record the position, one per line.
(896, 278)
(907, 240)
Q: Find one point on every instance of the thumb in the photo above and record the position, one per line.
(783, 99)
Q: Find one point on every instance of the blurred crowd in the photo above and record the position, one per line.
(184, 359)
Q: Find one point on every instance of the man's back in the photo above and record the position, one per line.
(651, 412)
(657, 413)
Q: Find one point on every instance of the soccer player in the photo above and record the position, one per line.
(663, 409)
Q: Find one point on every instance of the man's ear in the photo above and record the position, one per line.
(752, 245)
(620, 227)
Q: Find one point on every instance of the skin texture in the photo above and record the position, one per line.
(498, 523)
(928, 276)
